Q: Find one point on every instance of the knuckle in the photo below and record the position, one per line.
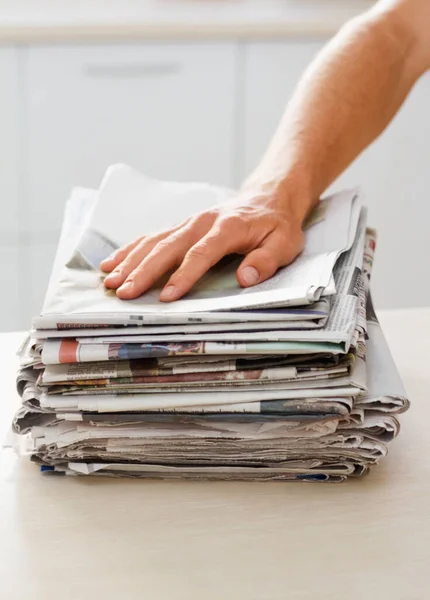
(210, 213)
(285, 244)
(288, 254)
(199, 251)
(205, 218)
(290, 240)
(299, 243)
(268, 260)
(236, 227)
(233, 222)
(164, 244)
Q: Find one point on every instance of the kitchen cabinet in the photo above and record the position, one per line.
(166, 109)
(39, 258)
(271, 73)
(10, 135)
(12, 299)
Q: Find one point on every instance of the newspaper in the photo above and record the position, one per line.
(216, 446)
(302, 472)
(385, 394)
(77, 211)
(106, 403)
(220, 445)
(274, 374)
(79, 293)
(302, 396)
(289, 319)
(345, 309)
(55, 352)
(66, 373)
(205, 378)
(335, 337)
(31, 414)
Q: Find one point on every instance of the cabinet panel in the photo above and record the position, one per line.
(9, 142)
(394, 172)
(11, 308)
(38, 261)
(272, 71)
(167, 110)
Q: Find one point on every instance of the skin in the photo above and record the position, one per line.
(345, 99)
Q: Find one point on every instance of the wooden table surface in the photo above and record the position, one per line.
(369, 539)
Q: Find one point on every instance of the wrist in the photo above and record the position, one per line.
(289, 192)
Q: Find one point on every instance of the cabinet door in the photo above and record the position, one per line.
(38, 258)
(11, 300)
(394, 172)
(9, 140)
(168, 110)
(272, 71)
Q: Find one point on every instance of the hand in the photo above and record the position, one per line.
(266, 229)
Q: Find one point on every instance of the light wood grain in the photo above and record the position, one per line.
(366, 539)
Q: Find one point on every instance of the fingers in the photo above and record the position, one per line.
(198, 260)
(118, 256)
(260, 264)
(131, 260)
(166, 255)
(196, 246)
(142, 268)
(122, 262)
(137, 252)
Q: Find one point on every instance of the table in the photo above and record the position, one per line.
(118, 539)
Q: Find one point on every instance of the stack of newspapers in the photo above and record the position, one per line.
(289, 380)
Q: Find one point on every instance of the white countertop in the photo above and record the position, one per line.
(47, 21)
(121, 539)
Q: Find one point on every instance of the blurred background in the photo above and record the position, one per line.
(180, 89)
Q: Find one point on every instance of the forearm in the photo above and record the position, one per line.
(344, 101)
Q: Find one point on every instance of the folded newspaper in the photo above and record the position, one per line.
(289, 380)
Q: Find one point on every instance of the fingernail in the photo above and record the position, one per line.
(168, 293)
(250, 275)
(127, 286)
(113, 275)
(108, 259)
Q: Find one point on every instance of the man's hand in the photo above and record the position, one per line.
(344, 101)
(266, 229)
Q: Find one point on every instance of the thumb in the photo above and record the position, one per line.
(262, 263)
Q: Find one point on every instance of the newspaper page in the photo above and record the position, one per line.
(80, 291)
(106, 403)
(344, 311)
(335, 336)
(78, 210)
(303, 409)
(70, 372)
(385, 390)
